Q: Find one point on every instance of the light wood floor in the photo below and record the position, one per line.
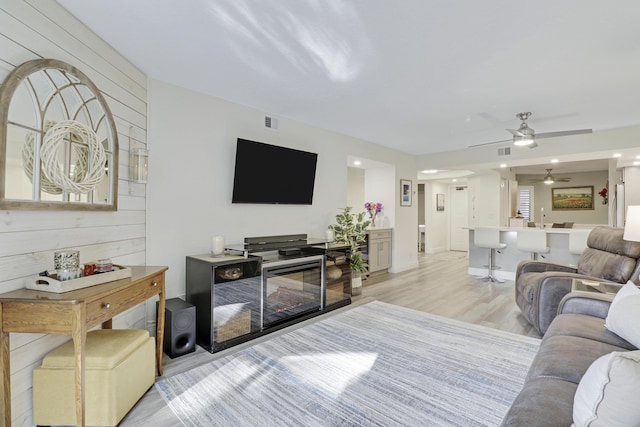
(440, 285)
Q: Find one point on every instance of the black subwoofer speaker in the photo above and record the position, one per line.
(179, 328)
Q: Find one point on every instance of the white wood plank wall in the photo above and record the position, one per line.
(34, 29)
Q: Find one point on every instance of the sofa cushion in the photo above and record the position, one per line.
(624, 315)
(567, 358)
(542, 402)
(607, 393)
(583, 326)
(608, 255)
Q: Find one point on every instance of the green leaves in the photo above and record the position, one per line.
(352, 229)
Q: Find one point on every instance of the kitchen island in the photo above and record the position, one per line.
(509, 258)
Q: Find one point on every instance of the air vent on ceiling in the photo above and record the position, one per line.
(271, 123)
(505, 151)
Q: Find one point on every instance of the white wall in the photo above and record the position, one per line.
(379, 187)
(192, 139)
(484, 200)
(437, 222)
(42, 29)
(631, 187)
(355, 187)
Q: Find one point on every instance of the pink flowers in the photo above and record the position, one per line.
(373, 207)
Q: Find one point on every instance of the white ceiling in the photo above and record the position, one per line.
(420, 76)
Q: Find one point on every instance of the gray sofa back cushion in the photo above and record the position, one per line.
(608, 256)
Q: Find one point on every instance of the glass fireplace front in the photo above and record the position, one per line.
(291, 288)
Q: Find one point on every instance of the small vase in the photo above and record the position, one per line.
(372, 218)
(356, 284)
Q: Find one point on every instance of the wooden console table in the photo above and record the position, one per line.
(74, 313)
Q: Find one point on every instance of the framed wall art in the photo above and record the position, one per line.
(405, 192)
(439, 202)
(572, 198)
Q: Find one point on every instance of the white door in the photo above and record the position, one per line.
(459, 218)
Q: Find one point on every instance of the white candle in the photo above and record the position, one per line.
(330, 235)
(217, 246)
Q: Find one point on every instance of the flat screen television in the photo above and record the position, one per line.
(267, 173)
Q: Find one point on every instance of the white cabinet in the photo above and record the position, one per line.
(379, 250)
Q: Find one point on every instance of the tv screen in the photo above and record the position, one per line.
(267, 173)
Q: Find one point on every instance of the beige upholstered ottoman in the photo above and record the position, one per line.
(119, 369)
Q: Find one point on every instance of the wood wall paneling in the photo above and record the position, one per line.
(32, 29)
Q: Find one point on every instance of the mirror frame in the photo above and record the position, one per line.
(7, 90)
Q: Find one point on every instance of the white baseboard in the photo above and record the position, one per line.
(404, 267)
(431, 251)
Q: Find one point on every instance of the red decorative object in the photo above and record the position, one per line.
(605, 195)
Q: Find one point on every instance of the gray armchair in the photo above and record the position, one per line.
(540, 286)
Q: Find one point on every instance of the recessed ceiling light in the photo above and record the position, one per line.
(503, 165)
(554, 160)
(636, 163)
(454, 180)
(430, 171)
(637, 157)
(617, 155)
(356, 163)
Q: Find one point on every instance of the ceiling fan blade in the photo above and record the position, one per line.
(490, 143)
(563, 133)
(516, 132)
(563, 179)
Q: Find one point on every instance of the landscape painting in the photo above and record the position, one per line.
(572, 198)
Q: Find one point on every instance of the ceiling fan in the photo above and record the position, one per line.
(526, 137)
(549, 179)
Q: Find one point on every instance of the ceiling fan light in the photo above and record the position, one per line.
(523, 141)
(548, 180)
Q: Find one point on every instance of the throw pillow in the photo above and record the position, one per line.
(607, 393)
(624, 314)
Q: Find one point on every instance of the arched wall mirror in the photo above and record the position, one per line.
(58, 140)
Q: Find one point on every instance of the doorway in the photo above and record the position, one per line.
(459, 232)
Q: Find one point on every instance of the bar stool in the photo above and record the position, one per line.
(489, 237)
(534, 241)
(578, 240)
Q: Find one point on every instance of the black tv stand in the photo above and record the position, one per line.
(269, 283)
(290, 251)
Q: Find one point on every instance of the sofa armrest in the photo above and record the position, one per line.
(552, 287)
(590, 303)
(541, 267)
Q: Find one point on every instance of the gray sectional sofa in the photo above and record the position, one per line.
(573, 341)
(541, 285)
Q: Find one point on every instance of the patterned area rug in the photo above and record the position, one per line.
(374, 365)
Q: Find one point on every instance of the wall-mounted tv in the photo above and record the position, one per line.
(267, 173)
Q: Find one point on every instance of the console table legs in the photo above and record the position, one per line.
(5, 390)
(79, 335)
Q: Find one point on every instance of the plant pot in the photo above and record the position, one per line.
(356, 284)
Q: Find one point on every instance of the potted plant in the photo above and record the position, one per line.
(352, 230)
